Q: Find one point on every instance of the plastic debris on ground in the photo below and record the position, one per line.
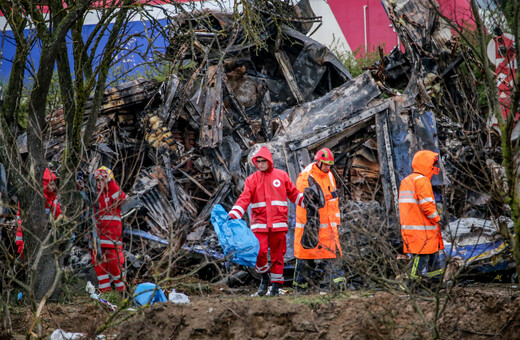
(92, 291)
(178, 297)
(60, 334)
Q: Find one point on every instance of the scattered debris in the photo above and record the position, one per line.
(180, 147)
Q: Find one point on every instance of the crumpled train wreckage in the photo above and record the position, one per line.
(182, 146)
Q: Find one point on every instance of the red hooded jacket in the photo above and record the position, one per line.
(51, 206)
(109, 226)
(267, 192)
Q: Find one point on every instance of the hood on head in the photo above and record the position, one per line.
(47, 177)
(264, 153)
(423, 162)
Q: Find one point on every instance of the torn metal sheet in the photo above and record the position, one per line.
(471, 240)
(313, 123)
(211, 119)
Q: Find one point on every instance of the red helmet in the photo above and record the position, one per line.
(325, 155)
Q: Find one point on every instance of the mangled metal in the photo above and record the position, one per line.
(188, 141)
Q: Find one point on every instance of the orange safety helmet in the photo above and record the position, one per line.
(325, 156)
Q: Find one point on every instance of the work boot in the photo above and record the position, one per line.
(275, 289)
(301, 291)
(264, 283)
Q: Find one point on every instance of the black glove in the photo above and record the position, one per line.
(309, 196)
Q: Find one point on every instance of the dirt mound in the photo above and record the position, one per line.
(353, 317)
(471, 313)
(479, 313)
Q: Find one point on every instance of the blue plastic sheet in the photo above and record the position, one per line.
(143, 294)
(237, 241)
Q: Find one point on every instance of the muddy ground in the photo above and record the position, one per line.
(482, 311)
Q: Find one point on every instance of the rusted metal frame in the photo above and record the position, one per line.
(173, 84)
(191, 116)
(234, 100)
(183, 96)
(340, 127)
(240, 109)
(187, 202)
(157, 200)
(196, 182)
(386, 161)
(152, 224)
(155, 215)
(171, 182)
(267, 115)
(451, 66)
(211, 119)
(185, 158)
(295, 161)
(287, 70)
(220, 193)
(340, 179)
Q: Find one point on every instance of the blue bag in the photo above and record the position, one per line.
(236, 239)
(143, 294)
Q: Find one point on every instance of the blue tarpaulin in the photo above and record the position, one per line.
(143, 294)
(237, 241)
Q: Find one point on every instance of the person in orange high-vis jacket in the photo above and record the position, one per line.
(328, 247)
(267, 190)
(52, 206)
(419, 217)
(109, 229)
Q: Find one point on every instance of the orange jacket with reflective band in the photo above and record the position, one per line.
(328, 244)
(417, 209)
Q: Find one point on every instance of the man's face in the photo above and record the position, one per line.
(262, 164)
(436, 169)
(324, 167)
(52, 187)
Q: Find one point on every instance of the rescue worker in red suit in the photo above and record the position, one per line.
(109, 229)
(267, 191)
(419, 216)
(52, 206)
(328, 248)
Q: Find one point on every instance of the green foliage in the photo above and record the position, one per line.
(158, 71)
(114, 297)
(53, 99)
(22, 114)
(354, 65)
(72, 288)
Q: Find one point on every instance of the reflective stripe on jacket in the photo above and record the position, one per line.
(267, 192)
(417, 210)
(109, 226)
(328, 244)
(51, 206)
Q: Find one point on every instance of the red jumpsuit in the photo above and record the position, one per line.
(109, 229)
(51, 206)
(267, 192)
